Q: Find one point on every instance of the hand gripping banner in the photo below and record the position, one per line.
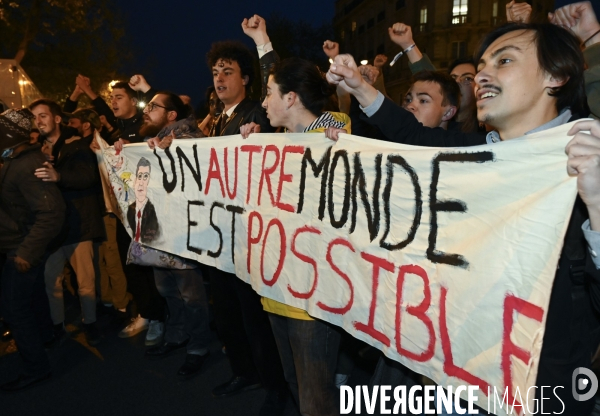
(442, 258)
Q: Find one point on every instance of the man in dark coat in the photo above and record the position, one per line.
(31, 216)
(76, 173)
(233, 72)
(530, 78)
(242, 323)
(124, 115)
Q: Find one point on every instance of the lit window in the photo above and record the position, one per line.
(459, 11)
(353, 26)
(495, 12)
(423, 18)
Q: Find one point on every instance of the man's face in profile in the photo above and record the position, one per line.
(141, 183)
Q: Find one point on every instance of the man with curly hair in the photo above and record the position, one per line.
(242, 323)
(232, 66)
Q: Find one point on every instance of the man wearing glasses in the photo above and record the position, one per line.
(166, 117)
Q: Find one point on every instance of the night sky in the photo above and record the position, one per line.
(169, 39)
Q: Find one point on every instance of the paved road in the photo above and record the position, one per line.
(115, 379)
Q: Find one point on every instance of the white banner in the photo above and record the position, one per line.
(442, 258)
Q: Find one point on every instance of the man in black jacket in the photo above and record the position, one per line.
(530, 78)
(31, 216)
(75, 171)
(113, 283)
(242, 323)
(233, 73)
(86, 121)
(124, 113)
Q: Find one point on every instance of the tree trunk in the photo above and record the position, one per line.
(31, 30)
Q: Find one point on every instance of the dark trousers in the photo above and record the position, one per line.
(25, 308)
(188, 308)
(245, 330)
(308, 351)
(140, 282)
(391, 373)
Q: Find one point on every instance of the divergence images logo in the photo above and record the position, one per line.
(584, 379)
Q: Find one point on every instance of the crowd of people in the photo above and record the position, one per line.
(524, 78)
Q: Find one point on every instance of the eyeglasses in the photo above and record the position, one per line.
(143, 176)
(151, 106)
(463, 79)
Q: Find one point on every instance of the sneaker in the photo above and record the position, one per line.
(92, 335)
(137, 325)
(341, 380)
(155, 333)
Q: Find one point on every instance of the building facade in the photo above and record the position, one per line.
(443, 29)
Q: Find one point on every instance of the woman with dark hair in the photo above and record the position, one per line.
(297, 93)
(296, 96)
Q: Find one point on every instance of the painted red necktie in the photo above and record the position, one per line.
(138, 231)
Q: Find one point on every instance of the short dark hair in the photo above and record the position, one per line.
(173, 102)
(235, 52)
(306, 80)
(52, 105)
(125, 86)
(142, 163)
(461, 61)
(448, 86)
(559, 55)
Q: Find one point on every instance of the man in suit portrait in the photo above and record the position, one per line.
(141, 214)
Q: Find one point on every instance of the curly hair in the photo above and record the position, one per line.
(232, 51)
